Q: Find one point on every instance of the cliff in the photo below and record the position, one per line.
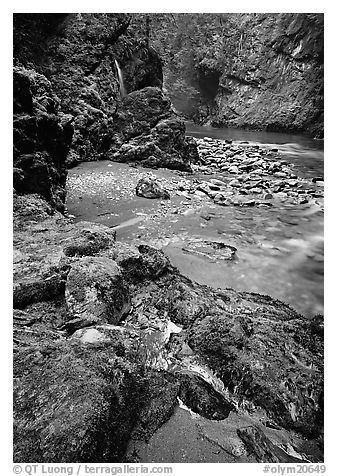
(77, 55)
(257, 71)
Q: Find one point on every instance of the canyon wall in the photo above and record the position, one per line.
(257, 71)
(75, 55)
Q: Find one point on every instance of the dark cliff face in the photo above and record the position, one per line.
(42, 138)
(259, 71)
(72, 59)
(77, 53)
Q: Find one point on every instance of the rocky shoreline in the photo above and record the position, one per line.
(110, 337)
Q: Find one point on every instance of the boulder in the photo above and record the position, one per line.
(148, 187)
(96, 292)
(141, 263)
(88, 239)
(267, 360)
(73, 402)
(147, 132)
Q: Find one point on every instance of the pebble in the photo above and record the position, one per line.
(218, 182)
(234, 183)
(280, 174)
(234, 169)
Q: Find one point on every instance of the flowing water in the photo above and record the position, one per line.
(279, 249)
(279, 252)
(304, 153)
(122, 87)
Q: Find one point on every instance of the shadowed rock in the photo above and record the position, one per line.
(200, 397)
(264, 450)
(42, 138)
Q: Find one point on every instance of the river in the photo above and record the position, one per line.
(279, 249)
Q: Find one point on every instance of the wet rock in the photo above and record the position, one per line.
(220, 183)
(28, 209)
(264, 450)
(211, 249)
(124, 342)
(96, 292)
(201, 398)
(233, 170)
(280, 174)
(292, 183)
(222, 200)
(149, 188)
(265, 359)
(248, 203)
(256, 190)
(235, 183)
(89, 336)
(150, 133)
(213, 186)
(38, 273)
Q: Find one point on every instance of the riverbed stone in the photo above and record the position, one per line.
(148, 187)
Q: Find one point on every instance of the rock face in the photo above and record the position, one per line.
(283, 77)
(151, 135)
(258, 71)
(42, 138)
(77, 53)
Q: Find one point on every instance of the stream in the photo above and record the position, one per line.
(279, 249)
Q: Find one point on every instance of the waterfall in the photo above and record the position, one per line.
(120, 79)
